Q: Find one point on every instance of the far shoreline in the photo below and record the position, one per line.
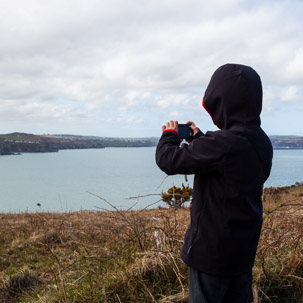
(297, 187)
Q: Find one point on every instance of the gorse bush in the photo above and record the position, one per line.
(177, 196)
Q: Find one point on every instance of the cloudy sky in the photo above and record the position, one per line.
(124, 67)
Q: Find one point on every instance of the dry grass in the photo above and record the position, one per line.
(133, 256)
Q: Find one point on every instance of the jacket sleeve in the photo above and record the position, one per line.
(202, 155)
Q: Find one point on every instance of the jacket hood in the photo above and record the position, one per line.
(234, 96)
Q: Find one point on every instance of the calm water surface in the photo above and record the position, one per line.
(61, 181)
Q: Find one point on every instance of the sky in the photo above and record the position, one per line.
(122, 68)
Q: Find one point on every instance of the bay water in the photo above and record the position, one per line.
(73, 180)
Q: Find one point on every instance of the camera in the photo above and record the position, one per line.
(184, 131)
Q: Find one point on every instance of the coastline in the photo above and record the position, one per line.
(17, 143)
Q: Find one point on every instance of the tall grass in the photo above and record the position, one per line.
(133, 256)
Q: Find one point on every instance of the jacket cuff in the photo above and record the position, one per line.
(198, 134)
(172, 131)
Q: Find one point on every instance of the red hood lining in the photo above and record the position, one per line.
(203, 104)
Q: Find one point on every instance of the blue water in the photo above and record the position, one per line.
(62, 181)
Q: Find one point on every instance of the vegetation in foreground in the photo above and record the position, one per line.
(133, 256)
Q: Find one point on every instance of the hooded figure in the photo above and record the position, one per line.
(230, 167)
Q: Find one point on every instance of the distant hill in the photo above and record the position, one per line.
(287, 142)
(16, 143)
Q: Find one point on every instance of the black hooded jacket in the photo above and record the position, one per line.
(230, 167)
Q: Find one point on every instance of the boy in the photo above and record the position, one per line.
(230, 167)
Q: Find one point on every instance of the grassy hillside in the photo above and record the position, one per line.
(133, 256)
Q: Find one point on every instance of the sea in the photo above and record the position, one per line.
(104, 179)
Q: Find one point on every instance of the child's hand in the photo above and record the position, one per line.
(173, 125)
(193, 127)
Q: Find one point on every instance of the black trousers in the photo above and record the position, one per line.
(205, 288)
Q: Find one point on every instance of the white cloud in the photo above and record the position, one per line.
(269, 98)
(175, 115)
(292, 94)
(127, 120)
(81, 58)
(282, 98)
(294, 67)
(132, 99)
